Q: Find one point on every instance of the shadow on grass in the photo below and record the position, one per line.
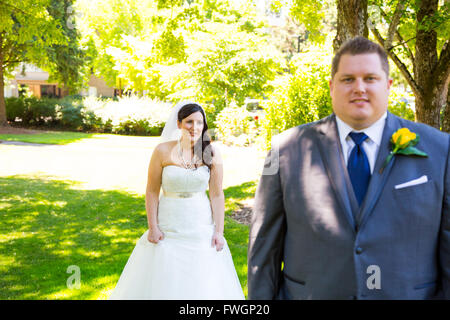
(48, 225)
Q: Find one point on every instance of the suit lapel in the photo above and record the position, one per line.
(377, 181)
(331, 152)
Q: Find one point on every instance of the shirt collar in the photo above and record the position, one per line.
(374, 132)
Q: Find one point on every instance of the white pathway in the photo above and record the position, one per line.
(113, 162)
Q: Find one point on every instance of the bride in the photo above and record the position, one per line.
(183, 254)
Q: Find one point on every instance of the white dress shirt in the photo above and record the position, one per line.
(371, 145)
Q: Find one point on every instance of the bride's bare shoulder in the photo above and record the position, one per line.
(165, 147)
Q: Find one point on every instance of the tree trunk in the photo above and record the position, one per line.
(428, 108)
(351, 21)
(430, 101)
(446, 114)
(3, 120)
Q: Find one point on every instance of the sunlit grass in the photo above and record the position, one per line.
(49, 137)
(47, 225)
(67, 137)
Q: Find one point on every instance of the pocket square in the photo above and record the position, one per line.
(422, 179)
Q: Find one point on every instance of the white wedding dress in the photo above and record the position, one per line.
(183, 265)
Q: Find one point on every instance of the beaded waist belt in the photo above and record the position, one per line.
(182, 194)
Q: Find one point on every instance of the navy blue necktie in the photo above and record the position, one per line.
(358, 166)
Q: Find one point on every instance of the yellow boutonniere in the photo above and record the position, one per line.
(403, 142)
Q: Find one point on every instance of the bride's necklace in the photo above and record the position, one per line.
(186, 165)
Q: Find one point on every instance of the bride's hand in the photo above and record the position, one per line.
(218, 241)
(155, 235)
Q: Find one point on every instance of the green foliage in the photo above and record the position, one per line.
(310, 13)
(170, 47)
(400, 104)
(381, 14)
(67, 63)
(317, 16)
(31, 111)
(213, 52)
(235, 125)
(236, 68)
(301, 97)
(41, 111)
(27, 29)
(36, 31)
(104, 25)
(91, 122)
(139, 127)
(129, 115)
(69, 115)
(15, 108)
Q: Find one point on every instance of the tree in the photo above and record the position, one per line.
(26, 30)
(415, 34)
(109, 29)
(67, 63)
(427, 26)
(211, 51)
(36, 31)
(351, 21)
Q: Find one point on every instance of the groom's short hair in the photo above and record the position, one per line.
(360, 45)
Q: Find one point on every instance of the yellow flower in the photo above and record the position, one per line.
(403, 136)
(403, 142)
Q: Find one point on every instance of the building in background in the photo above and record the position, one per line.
(35, 80)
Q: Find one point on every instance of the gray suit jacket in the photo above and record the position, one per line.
(310, 240)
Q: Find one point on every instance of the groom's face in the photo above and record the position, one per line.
(360, 90)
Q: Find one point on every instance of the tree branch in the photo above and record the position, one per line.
(442, 70)
(14, 7)
(400, 38)
(8, 62)
(11, 51)
(400, 65)
(394, 23)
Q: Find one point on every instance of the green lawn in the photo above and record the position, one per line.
(47, 225)
(50, 137)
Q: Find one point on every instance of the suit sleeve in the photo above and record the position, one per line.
(266, 240)
(444, 247)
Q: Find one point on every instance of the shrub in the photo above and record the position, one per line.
(138, 127)
(300, 97)
(129, 115)
(41, 111)
(91, 122)
(236, 125)
(399, 104)
(69, 115)
(15, 108)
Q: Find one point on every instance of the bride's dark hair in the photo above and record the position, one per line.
(203, 143)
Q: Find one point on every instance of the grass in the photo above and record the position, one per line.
(49, 137)
(47, 225)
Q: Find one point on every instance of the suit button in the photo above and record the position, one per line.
(359, 250)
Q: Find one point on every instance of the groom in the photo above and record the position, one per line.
(335, 222)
